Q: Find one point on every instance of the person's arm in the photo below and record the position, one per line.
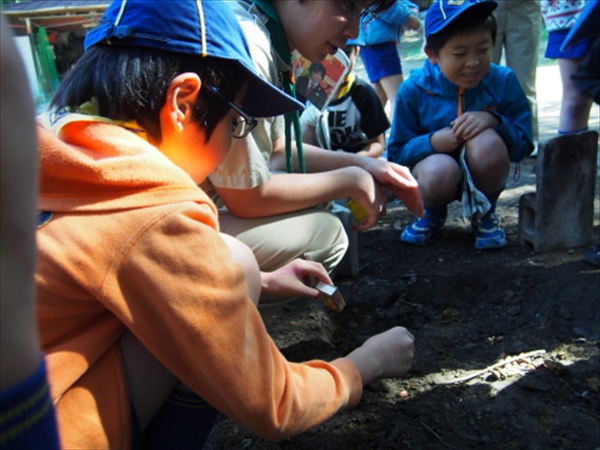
(398, 14)
(471, 123)
(514, 115)
(386, 355)
(20, 351)
(410, 138)
(309, 134)
(373, 119)
(295, 279)
(285, 192)
(199, 323)
(388, 175)
(374, 147)
(26, 403)
(447, 140)
(413, 23)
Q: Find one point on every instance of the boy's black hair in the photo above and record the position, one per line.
(131, 84)
(469, 22)
(317, 67)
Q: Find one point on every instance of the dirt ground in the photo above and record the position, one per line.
(507, 343)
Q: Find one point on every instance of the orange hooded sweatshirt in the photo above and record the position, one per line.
(133, 244)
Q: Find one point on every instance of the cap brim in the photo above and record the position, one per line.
(587, 25)
(484, 6)
(175, 27)
(266, 100)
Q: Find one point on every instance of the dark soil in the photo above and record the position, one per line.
(525, 327)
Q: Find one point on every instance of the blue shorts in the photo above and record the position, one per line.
(381, 60)
(555, 41)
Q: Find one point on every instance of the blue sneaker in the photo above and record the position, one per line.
(419, 232)
(488, 232)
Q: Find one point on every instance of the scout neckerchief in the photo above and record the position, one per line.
(475, 203)
(280, 43)
(461, 102)
(346, 86)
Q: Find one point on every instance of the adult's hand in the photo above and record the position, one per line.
(399, 180)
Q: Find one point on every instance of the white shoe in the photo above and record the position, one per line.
(534, 153)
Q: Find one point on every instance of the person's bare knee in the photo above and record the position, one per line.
(390, 85)
(575, 108)
(439, 177)
(488, 161)
(242, 254)
(380, 93)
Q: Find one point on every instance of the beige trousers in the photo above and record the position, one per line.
(519, 32)
(313, 234)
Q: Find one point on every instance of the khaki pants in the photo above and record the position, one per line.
(314, 234)
(519, 32)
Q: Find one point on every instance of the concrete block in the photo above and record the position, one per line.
(560, 214)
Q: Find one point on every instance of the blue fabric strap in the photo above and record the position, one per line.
(280, 43)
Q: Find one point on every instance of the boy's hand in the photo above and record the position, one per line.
(295, 279)
(471, 123)
(413, 22)
(385, 355)
(445, 141)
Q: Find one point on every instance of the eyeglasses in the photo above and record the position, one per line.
(242, 126)
(354, 12)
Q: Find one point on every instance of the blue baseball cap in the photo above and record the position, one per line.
(194, 27)
(443, 12)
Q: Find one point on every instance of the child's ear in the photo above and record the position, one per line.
(431, 55)
(181, 98)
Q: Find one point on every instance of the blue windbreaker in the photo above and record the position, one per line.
(387, 26)
(427, 102)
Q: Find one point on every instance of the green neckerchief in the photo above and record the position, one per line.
(280, 43)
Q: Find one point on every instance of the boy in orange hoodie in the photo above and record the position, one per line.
(147, 320)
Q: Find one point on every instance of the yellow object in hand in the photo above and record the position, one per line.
(357, 210)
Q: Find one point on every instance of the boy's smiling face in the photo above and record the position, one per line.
(465, 59)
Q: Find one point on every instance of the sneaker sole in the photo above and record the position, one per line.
(418, 243)
(491, 245)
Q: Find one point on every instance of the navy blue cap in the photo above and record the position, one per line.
(443, 12)
(195, 27)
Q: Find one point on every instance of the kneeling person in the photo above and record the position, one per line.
(143, 306)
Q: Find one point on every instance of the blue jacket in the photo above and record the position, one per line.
(387, 27)
(427, 102)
